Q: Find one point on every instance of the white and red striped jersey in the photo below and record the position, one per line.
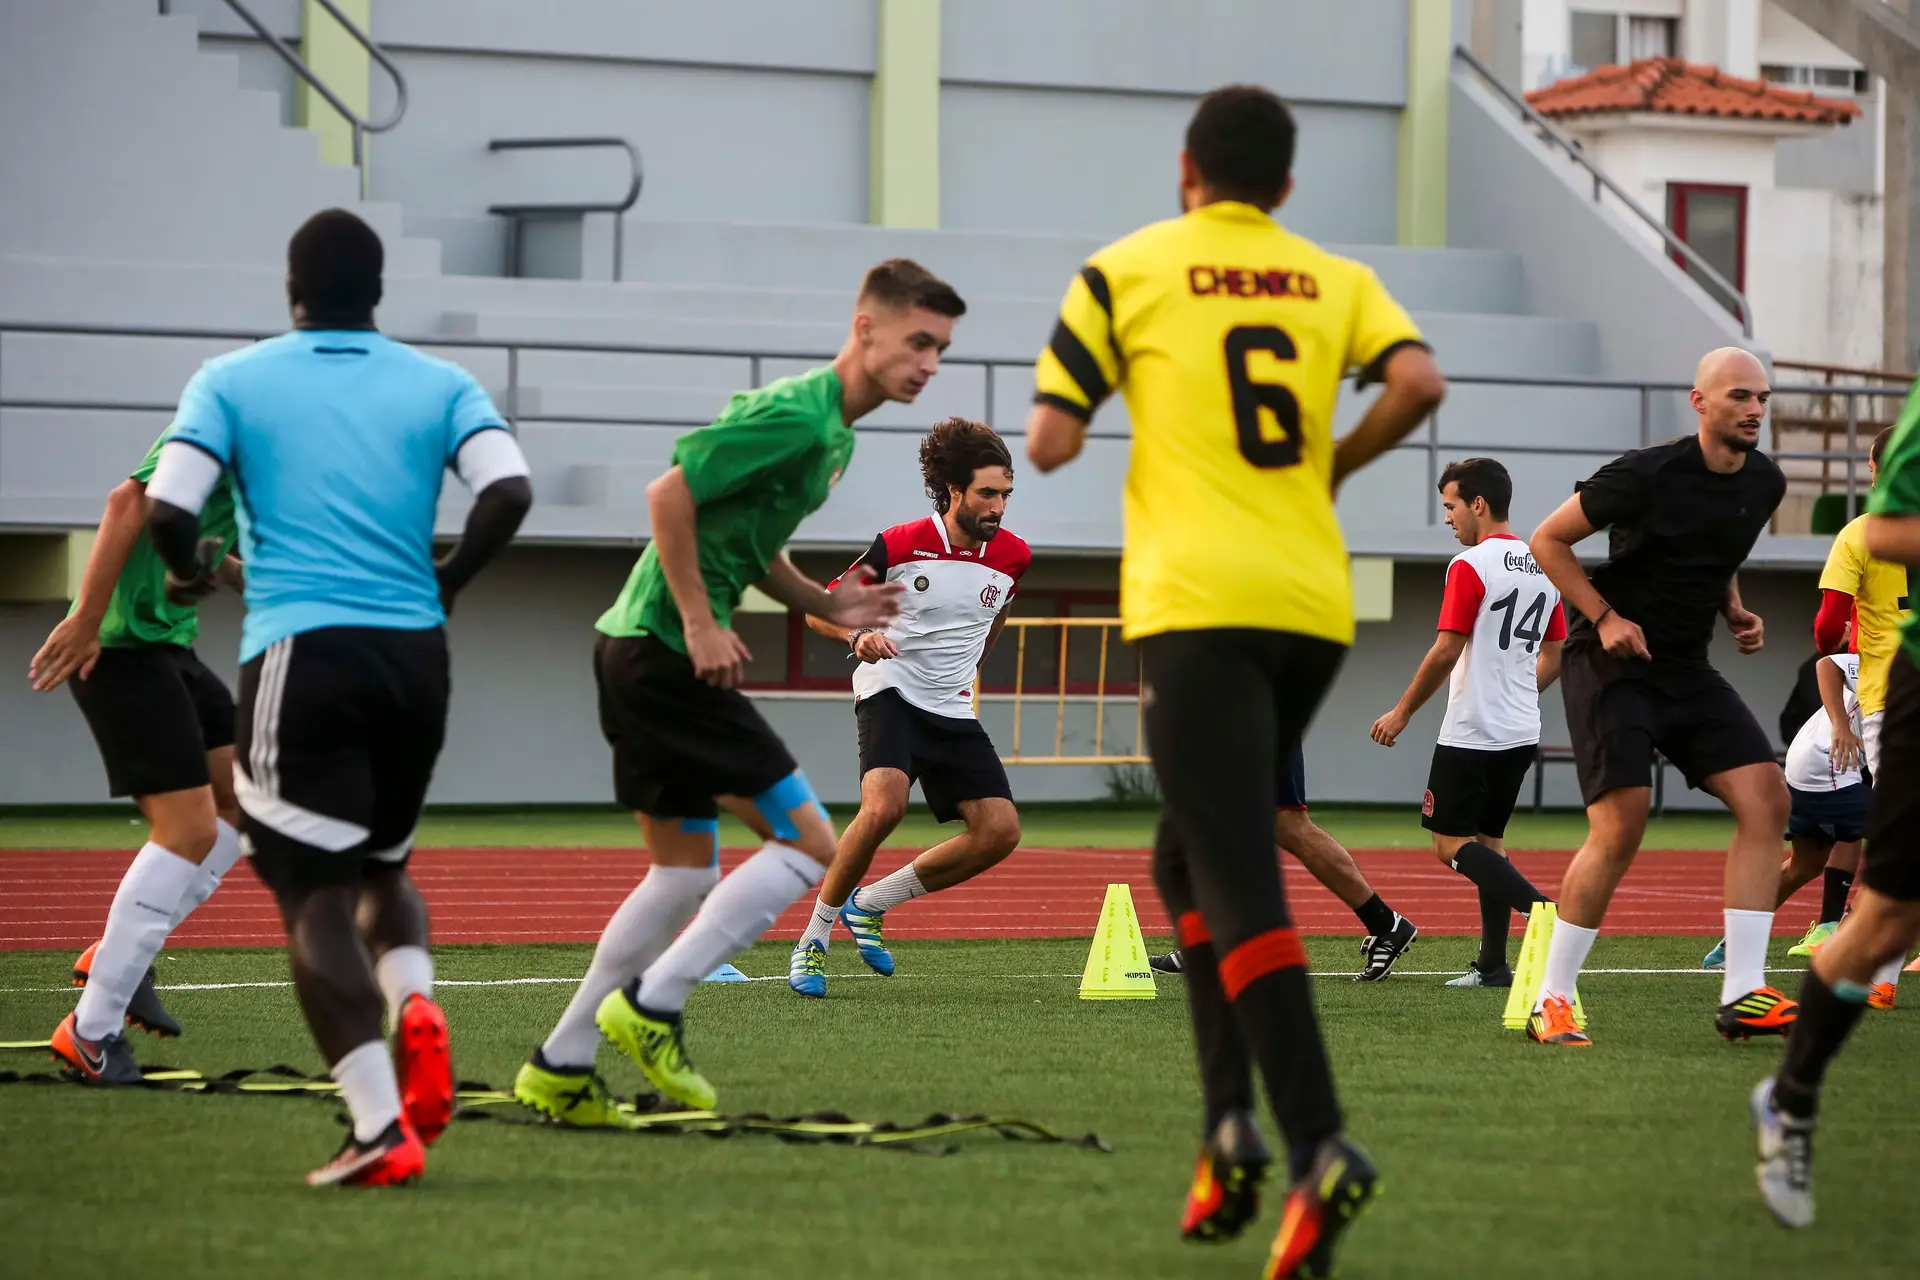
(1500, 600)
(951, 600)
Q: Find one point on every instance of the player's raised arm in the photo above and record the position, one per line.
(74, 646)
(868, 644)
(855, 601)
(1552, 546)
(1075, 374)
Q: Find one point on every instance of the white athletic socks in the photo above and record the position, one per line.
(137, 927)
(657, 909)
(219, 861)
(884, 895)
(742, 909)
(370, 1088)
(1747, 933)
(403, 972)
(1565, 957)
(820, 926)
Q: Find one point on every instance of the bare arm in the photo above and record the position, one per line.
(831, 630)
(74, 645)
(671, 508)
(1414, 388)
(1427, 679)
(1552, 546)
(1894, 538)
(1846, 749)
(1547, 667)
(993, 633)
(1749, 630)
(1054, 437)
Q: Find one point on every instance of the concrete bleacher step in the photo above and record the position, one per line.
(1002, 263)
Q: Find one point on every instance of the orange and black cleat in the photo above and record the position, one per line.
(144, 1009)
(424, 1064)
(1552, 1023)
(393, 1159)
(1319, 1207)
(1225, 1194)
(1882, 995)
(1765, 1012)
(105, 1061)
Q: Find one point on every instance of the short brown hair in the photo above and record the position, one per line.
(902, 282)
(953, 451)
(1481, 478)
(1880, 444)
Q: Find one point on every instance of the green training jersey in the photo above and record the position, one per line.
(767, 463)
(1897, 492)
(139, 612)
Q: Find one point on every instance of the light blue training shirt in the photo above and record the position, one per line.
(338, 442)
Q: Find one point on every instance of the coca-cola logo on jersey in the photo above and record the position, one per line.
(990, 594)
(1520, 562)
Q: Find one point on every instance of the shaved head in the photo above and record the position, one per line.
(1730, 393)
(1723, 363)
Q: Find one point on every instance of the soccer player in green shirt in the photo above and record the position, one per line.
(164, 725)
(1886, 912)
(685, 740)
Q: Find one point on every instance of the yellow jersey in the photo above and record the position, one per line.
(1228, 336)
(1879, 592)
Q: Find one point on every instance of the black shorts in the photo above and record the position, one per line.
(1833, 817)
(1620, 711)
(339, 732)
(155, 712)
(678, 741)
(1225, 710)
(1891, 864)
(1292, 782)
(952, 759)
(1471, 790)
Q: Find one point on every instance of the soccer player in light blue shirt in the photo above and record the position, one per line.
(337, 440)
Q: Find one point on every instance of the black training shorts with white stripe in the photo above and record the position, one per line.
(339, 731)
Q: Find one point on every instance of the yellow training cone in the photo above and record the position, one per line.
(1531, 971)
(1117, 962)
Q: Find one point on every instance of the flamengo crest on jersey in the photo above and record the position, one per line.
(946, 611)
(1498, 597)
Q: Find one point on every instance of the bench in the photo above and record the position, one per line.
(1545, 755)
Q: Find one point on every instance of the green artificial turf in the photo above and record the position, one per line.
(1047, 825)
(1500, 1158)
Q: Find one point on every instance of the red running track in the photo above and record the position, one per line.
(59, 899)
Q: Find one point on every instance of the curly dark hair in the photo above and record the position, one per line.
(953, 451)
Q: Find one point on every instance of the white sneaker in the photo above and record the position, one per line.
(1785, 1171)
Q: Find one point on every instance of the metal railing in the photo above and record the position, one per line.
(360, 125)
(1426, 440)
(517, 215)
(1601, 182)
(1108, 628)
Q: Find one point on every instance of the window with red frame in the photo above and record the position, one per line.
(1712, 221)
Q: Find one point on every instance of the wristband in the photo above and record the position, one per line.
(1603, 615)
(854, 639)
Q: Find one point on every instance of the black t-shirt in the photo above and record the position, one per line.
(1680, 531)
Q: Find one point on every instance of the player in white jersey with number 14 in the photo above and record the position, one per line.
(913, 697)
(1501, 628)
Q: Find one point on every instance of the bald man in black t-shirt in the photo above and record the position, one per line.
(1682, 517)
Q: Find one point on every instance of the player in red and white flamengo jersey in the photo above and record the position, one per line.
(913, 697)
(1501, 628)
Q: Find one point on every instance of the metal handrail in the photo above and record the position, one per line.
(1601, 181)
(516, 214)
(361, 126)
(1427, 441)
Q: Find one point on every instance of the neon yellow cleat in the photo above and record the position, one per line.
(1817, 933)
(656, 1047)
(577, 1099)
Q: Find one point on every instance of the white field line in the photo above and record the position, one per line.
(781, 977)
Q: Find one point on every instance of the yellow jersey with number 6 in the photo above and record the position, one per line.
(1228, 336)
